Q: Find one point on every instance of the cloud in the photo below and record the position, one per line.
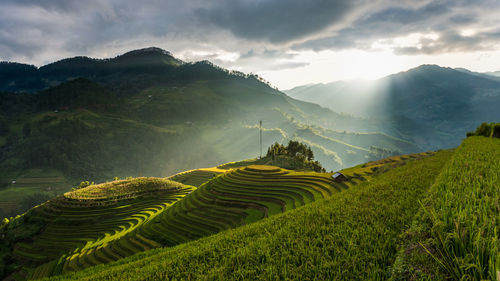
(451, 41)
(247, 34)
(275, 20)
(444, 18)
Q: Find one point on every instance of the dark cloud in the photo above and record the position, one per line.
(57, 5)
(462, 19)
(40, 31)
(275, 20)
(405, 16)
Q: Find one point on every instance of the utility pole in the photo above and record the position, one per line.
(260, 130)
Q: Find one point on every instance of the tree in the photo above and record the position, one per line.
(309, 154)
(297, 153)
(84, 184)
(486, 130)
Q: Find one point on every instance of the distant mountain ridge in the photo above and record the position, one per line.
(15, 77)
(430, 105)
(493, 73)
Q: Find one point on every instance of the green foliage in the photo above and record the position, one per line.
(486, 130)
(84, 184)
(5, 221)
(300, 156)
(349, 236)
(293, 149)
(455, 234)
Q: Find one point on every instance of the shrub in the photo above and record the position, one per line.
(5, 221)
(496, 131)
(84, 184)
(486, 130)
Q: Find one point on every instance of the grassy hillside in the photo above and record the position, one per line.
(351, 235)
(106, 222)
(456, 235)
(235, 198)
(45, 238)
(31, 187)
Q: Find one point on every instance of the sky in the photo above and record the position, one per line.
(287, 42)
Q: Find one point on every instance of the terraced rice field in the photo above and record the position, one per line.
(194, 177)
(369, 169)
(237, 197)
(29, 183)
(75, 225)
(234, 198)
(104, 223)
(352, 235)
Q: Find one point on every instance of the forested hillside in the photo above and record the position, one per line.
(146, 113)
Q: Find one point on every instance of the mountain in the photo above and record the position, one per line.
(149, 63)
(429, 105)
(146, 113)
(493, 73)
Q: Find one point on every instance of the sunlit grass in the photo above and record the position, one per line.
(349, 236)
(456, 233)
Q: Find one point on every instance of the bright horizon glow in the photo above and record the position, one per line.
(329, 66)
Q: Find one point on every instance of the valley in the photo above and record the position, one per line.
(98, 126)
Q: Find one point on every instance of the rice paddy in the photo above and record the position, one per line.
(455, 235)
(105, 223)
(78, 223)
(348, 235)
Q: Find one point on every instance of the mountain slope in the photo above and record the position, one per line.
(103, 223)
(351, 235)
(83, 220)
(146, 113)
(428, 105)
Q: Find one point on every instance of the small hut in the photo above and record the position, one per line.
(339, 177)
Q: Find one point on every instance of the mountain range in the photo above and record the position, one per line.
(430, 106)
(146, 113)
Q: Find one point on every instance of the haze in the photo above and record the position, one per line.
(289, 43)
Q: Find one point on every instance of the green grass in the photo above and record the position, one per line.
(239, 164)
(193, 177)
(234, 198)
(66, 232)
(456, 234)
(121, 218)
(351, 235)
